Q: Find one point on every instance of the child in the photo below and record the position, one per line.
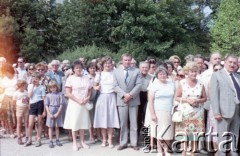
(53, 103)
(36, 93)
(20, 98)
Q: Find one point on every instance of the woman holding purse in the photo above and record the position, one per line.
(191, 94)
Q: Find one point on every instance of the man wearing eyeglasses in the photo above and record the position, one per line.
(21, 68)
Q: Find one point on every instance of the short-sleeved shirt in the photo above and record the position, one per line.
(163, 95)
(38, 93)
(105, 79)
(21, 98)
(79, 84)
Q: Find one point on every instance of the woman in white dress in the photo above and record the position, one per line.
(106, 115)
(160, 99)
(78, 90)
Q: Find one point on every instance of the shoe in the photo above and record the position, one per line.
(20, 141)
(12, 136)
(38, 144)
(50, 144)
(75, 148)
(26, 139)
(121, 148)
(58, 143)
(28, 143)
(203, 151)
(91, 141)
(83, 145)
(167, 154)
(104, 143)
(136, 148)
(159, 154)
(111, 146)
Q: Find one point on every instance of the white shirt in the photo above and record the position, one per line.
(105, 79)
(21, 73)
(9, 85)
(21, 98)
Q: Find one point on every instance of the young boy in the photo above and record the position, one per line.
(36, 94)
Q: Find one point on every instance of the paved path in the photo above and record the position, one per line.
(9, 147)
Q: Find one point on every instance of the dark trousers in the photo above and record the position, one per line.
(142, 110)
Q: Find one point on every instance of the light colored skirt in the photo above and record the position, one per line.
(106, 114)
(77, 117)
(163, 129)
(147, 120)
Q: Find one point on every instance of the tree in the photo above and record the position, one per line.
(37, 31)
(8, 29)
(138, 27)
(226, 31)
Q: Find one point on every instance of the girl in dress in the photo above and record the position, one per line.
(78, 90)
(106, 115)
(53, 103)
(21, 100)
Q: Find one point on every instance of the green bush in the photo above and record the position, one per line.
(88, 52)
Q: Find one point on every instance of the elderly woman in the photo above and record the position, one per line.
(160, 96)
(191, 95)
(78, 90)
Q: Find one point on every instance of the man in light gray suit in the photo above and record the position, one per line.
(127, 86)
(225, 99)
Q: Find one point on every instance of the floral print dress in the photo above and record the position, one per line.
(192, 126)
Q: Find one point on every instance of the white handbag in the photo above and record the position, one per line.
(177, 114)
(89, 106)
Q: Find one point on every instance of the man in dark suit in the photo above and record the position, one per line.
(127, 86)
(225, 99)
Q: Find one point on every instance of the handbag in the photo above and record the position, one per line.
(89, 106)
(177, 116)
(177, 113)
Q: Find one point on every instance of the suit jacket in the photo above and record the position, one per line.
(223, 94)
(133, 86)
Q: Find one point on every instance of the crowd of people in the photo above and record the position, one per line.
(104, 97)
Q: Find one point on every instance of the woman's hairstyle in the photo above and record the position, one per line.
(174, 57)
(160, 69)
(217, 64)
(190, 66)
(31, 66)
(77, 62)
(90, 65)
(37, 75)
(169, 63)
(161, 63)
(51, 84)
(20, 83)
(41, 65)
(104, 60)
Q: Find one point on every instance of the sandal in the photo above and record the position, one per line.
(28, 143)
(50, 144)
(38, 144)
(104, 143)
(20, 141)
(58, 143)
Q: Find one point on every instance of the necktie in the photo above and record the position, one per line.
(236, 86)
(126, 76)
